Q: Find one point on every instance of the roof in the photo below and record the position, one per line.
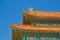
(38, 14)
(35, 28)
(34, 13)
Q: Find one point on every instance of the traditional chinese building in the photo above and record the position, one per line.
(37, 25)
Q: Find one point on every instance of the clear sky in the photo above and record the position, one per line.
(11, 12)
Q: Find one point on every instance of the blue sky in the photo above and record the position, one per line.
(11, 12)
